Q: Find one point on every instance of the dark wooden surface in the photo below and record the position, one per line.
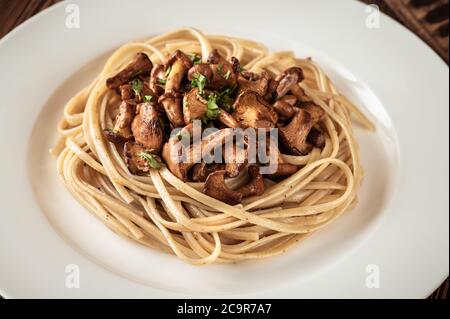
(14, 12)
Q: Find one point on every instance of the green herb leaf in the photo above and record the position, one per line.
(151, 159)
(136, 84)
(219, 69)
(161, 81)
(169, 69)
(227, 75)
(196, 59)
(111, 130)
(147, 98)
(225, 100)
(213, 109)
(198, 80)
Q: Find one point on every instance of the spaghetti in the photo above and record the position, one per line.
(163, 212)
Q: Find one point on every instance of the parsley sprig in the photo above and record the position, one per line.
(151, 159)
(199, 81)
(196, 59)
(136, 84)
(225, 100)
(213, 110)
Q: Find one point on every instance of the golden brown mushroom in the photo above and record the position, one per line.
(126, 92)
(178, 64)
(147, 128)
(122, 128)
(201, 170)
(288, 79)
(219, 73)
(171, 102)
(235, 158)
(156, 75)
(256, 184)
(253, 82)
(294, 134)
(251, 110)
(140, 65)
(216, 188)
(139, 159)
(194, 106)
(284, 109)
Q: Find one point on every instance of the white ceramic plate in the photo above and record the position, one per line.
(398, 232)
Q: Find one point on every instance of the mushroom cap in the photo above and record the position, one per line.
(171, 153)
(249, 81)
(287, 80)
(171, 102)
(141, 65)
(253, 111)
(194, 106)
(201, 171)
(256, 184)
(136, 163)
(147, 128)
(215, 187)
(295, 133)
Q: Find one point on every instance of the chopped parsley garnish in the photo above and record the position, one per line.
(213, 110)
(151, 159)
(111, 130)
(227, 75)
(161, 81)
(198, 80)
(169, 69)
(224, 99)
(196, 59)
(219, 69)
(147, 98)
(136, 84)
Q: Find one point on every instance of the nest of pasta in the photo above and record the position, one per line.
(120, 152)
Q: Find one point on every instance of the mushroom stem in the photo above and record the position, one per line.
(226, 119)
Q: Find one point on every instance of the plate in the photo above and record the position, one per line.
(394, 244)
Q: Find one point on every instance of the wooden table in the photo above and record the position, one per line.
(435, 33)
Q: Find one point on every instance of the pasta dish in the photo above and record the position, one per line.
(210, 147)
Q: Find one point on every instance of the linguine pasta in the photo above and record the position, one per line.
(162, 212)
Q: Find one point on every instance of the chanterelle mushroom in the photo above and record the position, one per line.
(155, 76)
(202, 170)
(253, 82)
(194, 106)
(178, 65)
(294, 134)
(218, 72)
(316, 138)
(256, 184)
(121, 131)
(284, 109)
(216, 188)
(253, 111)
(140, 65)
(147, 128)
(139, 159)
(235, 158)
(288, 79)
